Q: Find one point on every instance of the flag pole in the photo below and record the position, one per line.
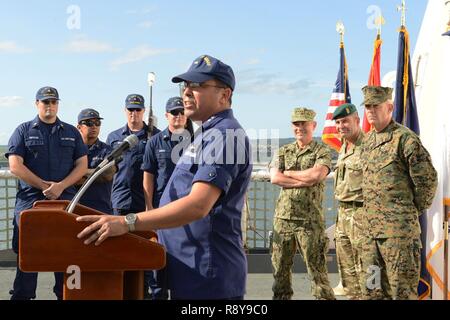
(402, 8)
(446, 213)
(341, 30)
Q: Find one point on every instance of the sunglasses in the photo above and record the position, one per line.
(177, 112)
(47, 102)
(195, 85)
(131, 110)
(91, 122)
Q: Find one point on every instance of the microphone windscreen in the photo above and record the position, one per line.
(133, 140)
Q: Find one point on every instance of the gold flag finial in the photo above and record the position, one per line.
(402, 8)
(379, 22)
(340, 28)
(447, 4)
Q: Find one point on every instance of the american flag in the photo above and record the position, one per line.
(340, 95)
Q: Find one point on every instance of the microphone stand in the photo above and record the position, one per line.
(87, 184)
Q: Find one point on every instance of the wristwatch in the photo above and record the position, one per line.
(130, 220)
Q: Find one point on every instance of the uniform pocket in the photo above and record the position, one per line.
(35, 146)
(355, 177)
(163, 159)
(67, 148)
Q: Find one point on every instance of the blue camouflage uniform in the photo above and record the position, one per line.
(206, 259)
(127, 191)
(50, 152)
(98, 195)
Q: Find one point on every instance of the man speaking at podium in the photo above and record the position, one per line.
(48, 156)
(199, 217)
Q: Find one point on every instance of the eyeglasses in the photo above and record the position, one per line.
(47, 102)
(91, 122)
(196, 85)
(131, 110)
(177, 112)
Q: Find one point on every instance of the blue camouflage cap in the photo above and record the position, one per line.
(46, 93)
(134, 101)
(88, 114)
(174, 103)
(205, 68)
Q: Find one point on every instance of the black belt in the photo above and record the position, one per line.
(350, 204)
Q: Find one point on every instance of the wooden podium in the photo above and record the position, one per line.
(113, 270)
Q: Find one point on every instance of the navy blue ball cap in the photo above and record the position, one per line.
(86, 114)
(205, 68)
(134, 101)
(46, 93)
(174, 103)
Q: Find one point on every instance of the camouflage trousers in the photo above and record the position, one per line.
(309, 237)
(348, 250)
(391, 268)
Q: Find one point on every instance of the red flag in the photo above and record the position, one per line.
(340, 95)
(374, 77)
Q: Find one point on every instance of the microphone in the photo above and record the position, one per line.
(112, 159)
(129, 142)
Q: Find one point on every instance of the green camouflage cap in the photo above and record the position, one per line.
(302, 114)
(374, 95)
(344, 110)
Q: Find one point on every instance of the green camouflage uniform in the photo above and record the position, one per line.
(299, 222)
(399, 182)
(348, 180)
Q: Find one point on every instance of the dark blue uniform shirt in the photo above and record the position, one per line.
(50, 152)
(206, 259)
(98, 196)
(127, 191)
(159, 160)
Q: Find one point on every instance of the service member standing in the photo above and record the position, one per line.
(48, 156)
(127, 192)
(347, 190)
(399, 183)
(98, 195)
(300, 169)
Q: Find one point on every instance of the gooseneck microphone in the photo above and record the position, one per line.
(111, 160)
(128, 143)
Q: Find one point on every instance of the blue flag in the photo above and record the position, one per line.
(405, 112)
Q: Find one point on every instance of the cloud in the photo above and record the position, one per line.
(84, 45)
(143, 11)
(253, 61)
(254, 81)
(12, 47)
(11, 101)
(137, 54)
(146, 24)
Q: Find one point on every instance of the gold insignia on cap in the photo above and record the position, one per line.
(348, 110)
(207, 61)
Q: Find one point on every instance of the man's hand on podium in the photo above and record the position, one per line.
(102, 228)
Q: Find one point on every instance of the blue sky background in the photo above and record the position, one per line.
(284, 53)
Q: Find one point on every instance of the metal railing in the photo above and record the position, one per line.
(261, 201)
(8, 187)
(257, 216)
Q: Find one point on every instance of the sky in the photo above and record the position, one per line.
(284, 54)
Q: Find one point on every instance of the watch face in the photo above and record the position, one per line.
(130, 218)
